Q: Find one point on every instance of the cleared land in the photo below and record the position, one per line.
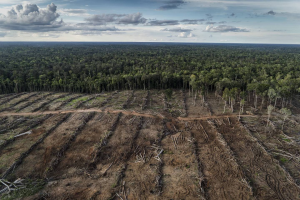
(142, 145)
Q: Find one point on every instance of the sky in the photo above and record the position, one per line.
(191, 21)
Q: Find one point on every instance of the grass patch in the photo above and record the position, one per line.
(283, 160)
(77, 100)
(287, 140)
(62, 99)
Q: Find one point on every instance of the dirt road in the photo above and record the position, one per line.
(125, 112)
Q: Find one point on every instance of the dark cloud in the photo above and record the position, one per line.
(163, 22)
(30, 17)
(171, 4)
(135, 18)
(271, 12)
(232, 15)
(177, 29)
(192, 21)
(222, 22)
(224, 28)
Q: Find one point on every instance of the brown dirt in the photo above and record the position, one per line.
(180, 168)
(46, 151)
(196, 110)
(224, 178)
(233, 162)
(267, 178)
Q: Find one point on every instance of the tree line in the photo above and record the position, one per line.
(266, 72)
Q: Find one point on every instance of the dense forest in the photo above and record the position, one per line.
(230, 70)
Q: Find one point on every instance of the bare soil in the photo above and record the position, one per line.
(152, 153)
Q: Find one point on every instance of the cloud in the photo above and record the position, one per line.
(135, 18)
(271, 12)
(232, 15)
(171, 4)
(163, 22)
(192, 21)
(73, 12)
(178, 29)
(222, 22)
(183, 33)
(30, 17)
(186, 35)
(224, 28)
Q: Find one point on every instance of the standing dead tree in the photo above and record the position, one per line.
(25, 154)
(145, 101)
(185, 114)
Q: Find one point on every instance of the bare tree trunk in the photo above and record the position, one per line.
(225, 106)
(255, 103)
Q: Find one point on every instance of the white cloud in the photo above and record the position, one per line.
(224, 28)
(186, 35)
